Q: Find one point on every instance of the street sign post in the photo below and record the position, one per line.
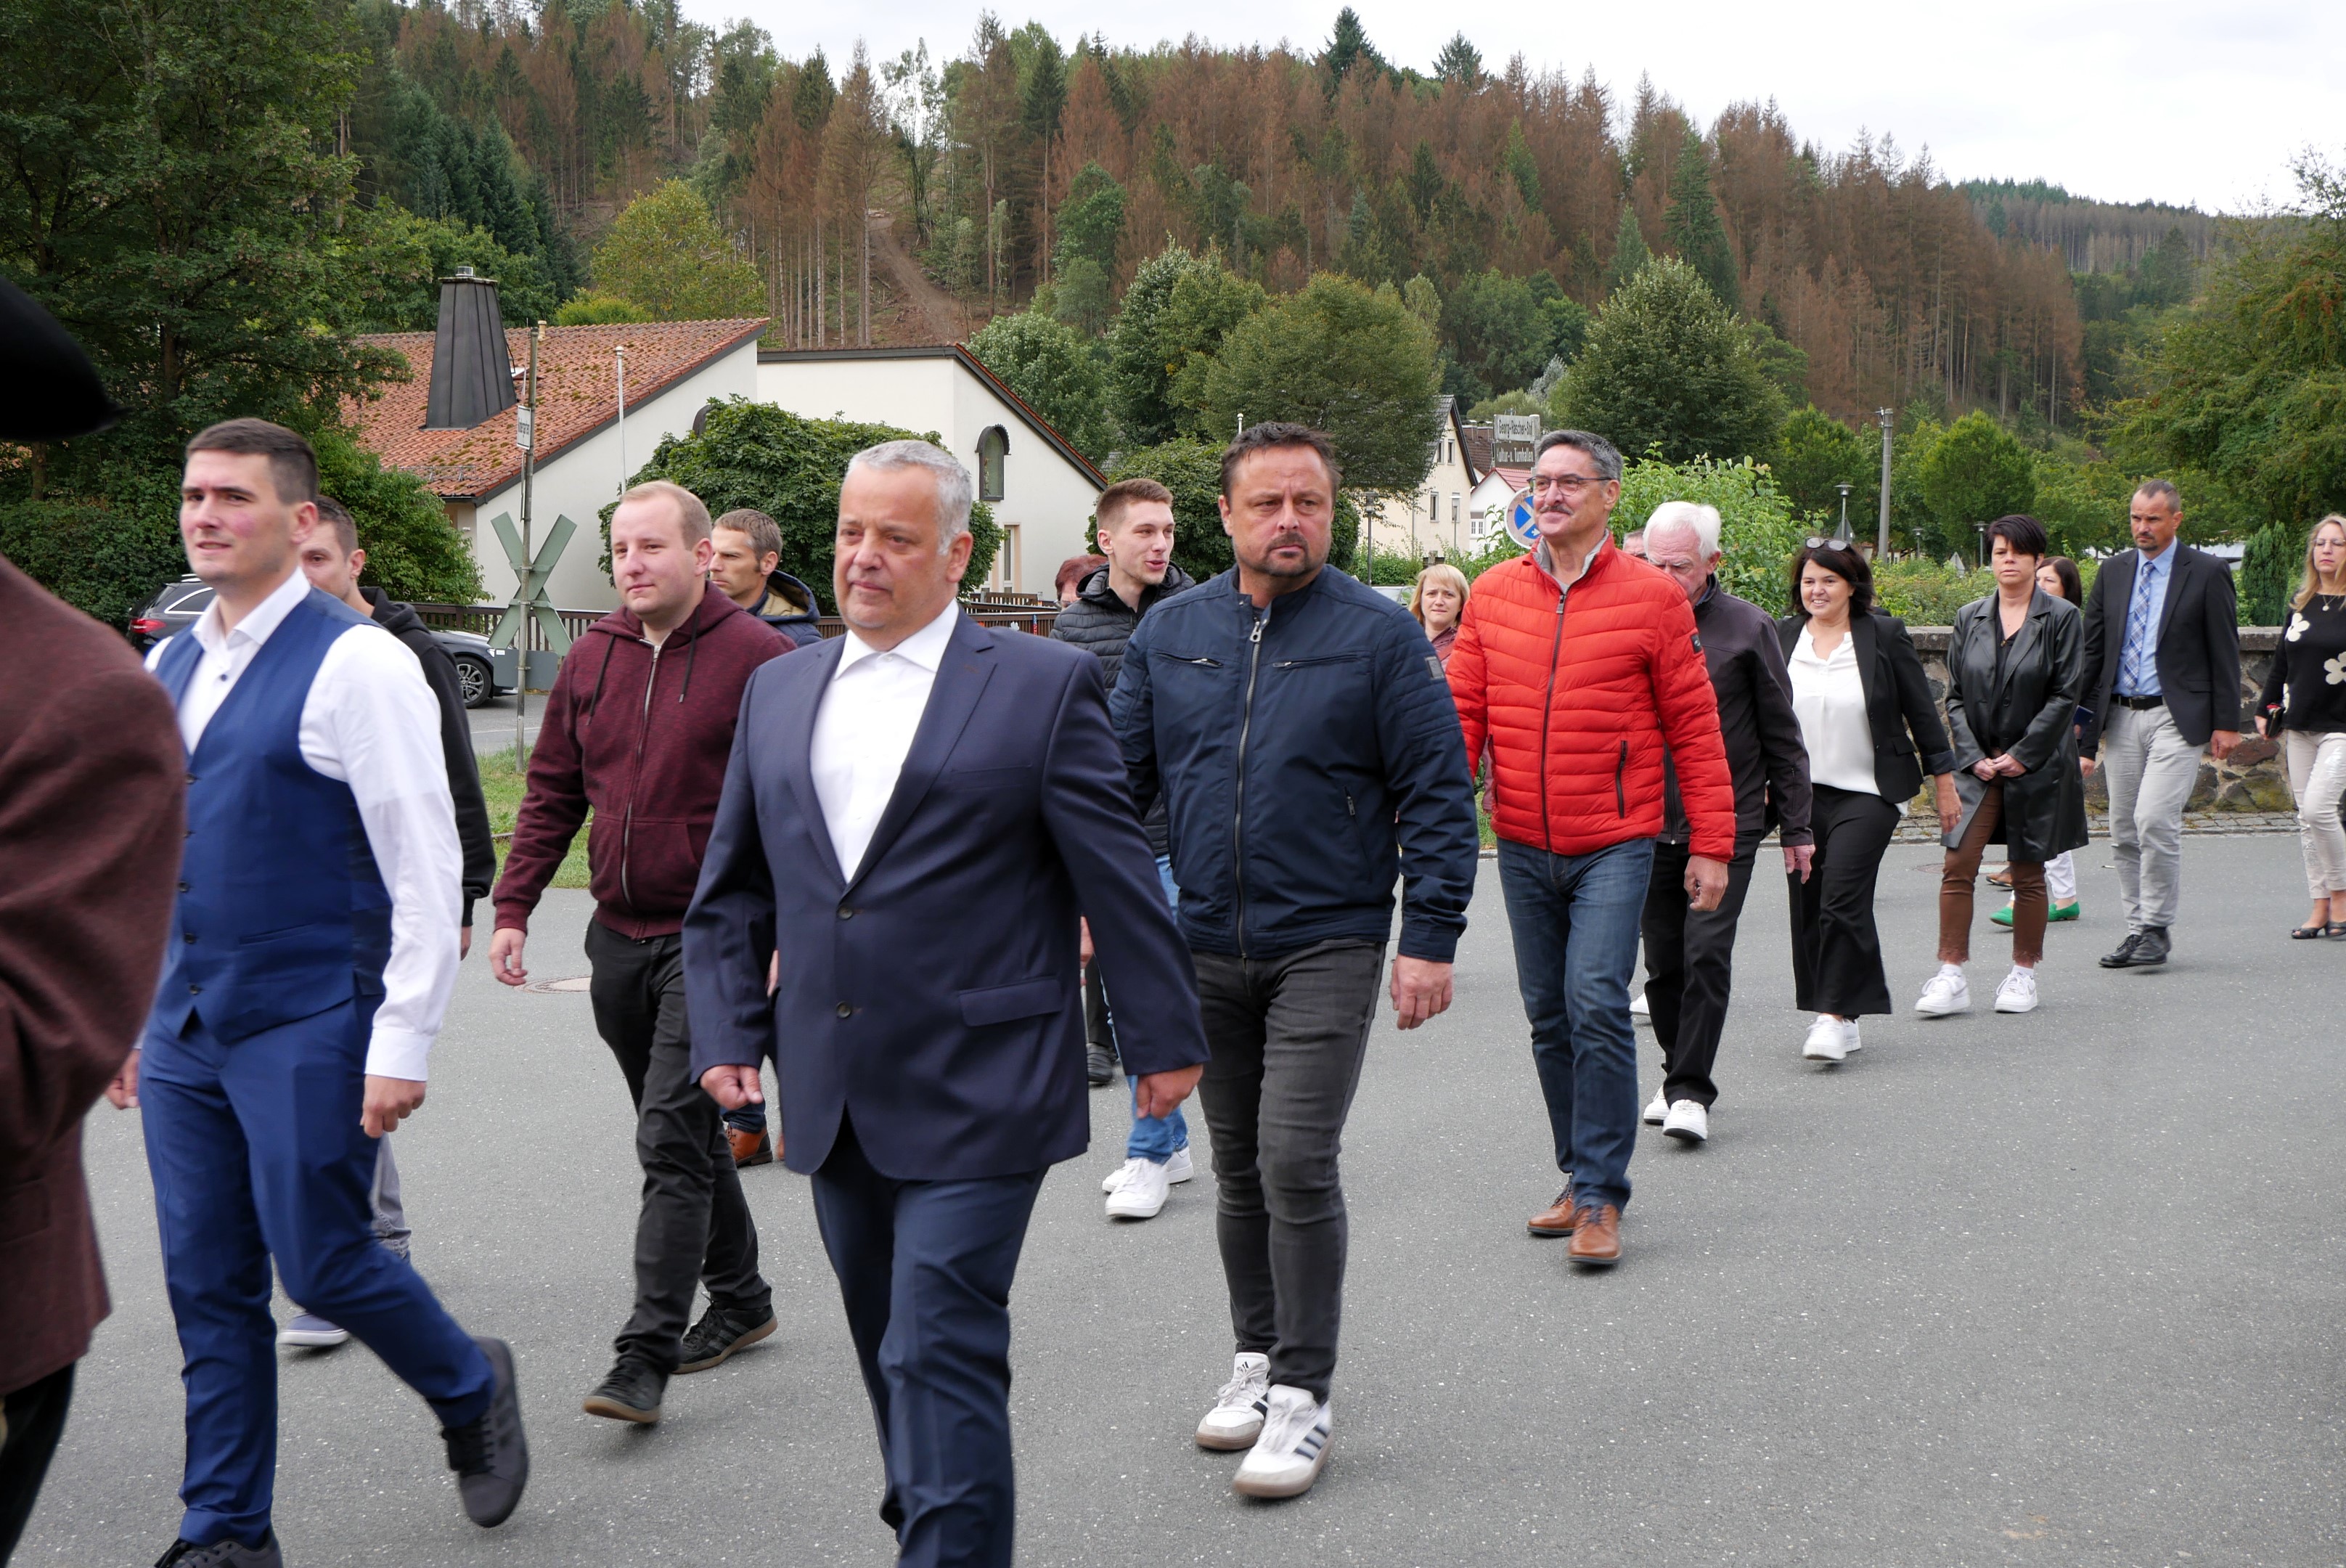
(1520, 524)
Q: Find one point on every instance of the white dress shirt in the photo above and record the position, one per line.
(1829, 698)
(864, 729)
(371, 722)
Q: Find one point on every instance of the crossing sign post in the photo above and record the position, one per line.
(530, 601)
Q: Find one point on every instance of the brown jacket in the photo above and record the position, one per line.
(91, 772)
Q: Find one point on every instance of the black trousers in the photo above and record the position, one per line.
(695, 1224)
(1099, 1030)
(1288, 1035)
(1690, 967)
(36, 1419)
(924, 1270)
(1836, 951)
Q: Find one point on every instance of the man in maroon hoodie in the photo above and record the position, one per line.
(639, 727)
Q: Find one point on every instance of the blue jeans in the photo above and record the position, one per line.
(1575, 921)
(1157, 1138)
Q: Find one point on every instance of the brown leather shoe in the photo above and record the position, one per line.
(749, 1148)
(1554, 1220)
(1597, 1235)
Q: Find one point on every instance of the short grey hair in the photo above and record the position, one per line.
(1701, 520)
(2164, 490)
(1599, 451)
(952, 480)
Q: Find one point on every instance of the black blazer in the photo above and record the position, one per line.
(1897, 702)
(2031, 713)
(2198, 643)
(933, 995)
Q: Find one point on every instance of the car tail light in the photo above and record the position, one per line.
(146, 626)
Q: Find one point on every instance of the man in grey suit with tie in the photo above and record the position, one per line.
(915, 816)
(2162, 681)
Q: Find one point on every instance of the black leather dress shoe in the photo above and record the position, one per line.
(718, 1335)
(631, 1393)
(1099, 1065)
(223, 1555)
(2124, 954)
(2153, 948)
(488, 1453)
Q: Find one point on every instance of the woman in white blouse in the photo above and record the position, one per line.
(1866, 715)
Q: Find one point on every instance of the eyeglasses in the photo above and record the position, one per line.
(1571, 485)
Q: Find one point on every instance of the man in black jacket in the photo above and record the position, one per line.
(1690, 953)
(1305, 743)
(748, 570)
(2162, 681)
(1136, 535)
(332, 561)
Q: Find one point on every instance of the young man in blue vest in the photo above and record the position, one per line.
(312, 954)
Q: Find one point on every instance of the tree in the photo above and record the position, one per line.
(665, 255)
(1629, 252)
(2252, 385)
(1976, 472)
(1459, 64)
(1174, 316)
(1091, 221)
(1044, 362)
(1815, 455)
(1343, 360)
(1192, 471)
(411, 553)
(1499, 331)
(406, 257)
(755, 454)
(1692, 224)
(1667, 367)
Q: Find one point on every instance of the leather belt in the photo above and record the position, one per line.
(2140, 704)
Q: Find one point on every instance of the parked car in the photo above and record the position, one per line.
(481, 671)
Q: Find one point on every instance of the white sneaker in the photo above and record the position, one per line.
(1658, 1109)
(1141, 1194)
(1638, 1008)
(1848, 1040)
(2019, 991)
(1236, 1420)
(308, 1331)
(1292, 1449)
(1945, 993)
(1689, 1122)
(1176, 1170)
(1827, 1042)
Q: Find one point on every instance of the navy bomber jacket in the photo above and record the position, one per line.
(1307, 756)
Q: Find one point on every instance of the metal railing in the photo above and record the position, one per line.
(1020, 612)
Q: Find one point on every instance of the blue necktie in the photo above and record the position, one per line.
(2137, 632)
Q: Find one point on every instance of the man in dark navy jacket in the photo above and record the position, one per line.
(928, 806)
(1302, 735)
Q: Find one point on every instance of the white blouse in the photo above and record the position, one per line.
(1830, 699)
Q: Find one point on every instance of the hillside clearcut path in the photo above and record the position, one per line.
(2064, 1288)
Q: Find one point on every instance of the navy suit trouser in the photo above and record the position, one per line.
(257, 1153)
(924, 1270)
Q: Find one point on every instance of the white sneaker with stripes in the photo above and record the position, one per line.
(1292, 1449)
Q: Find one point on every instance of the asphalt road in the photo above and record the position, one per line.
(2064, 1289)
(492, 723)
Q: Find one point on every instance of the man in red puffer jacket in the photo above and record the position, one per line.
(1582, 669)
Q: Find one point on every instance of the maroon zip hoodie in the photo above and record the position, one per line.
(641, 734)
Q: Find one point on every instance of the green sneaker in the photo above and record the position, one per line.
(2003, 917)
(2063, 911)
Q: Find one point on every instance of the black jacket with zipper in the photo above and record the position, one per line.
(1309, 756)
(455, 742)
(1100, 622)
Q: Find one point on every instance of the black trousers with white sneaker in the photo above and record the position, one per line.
(1690, 967)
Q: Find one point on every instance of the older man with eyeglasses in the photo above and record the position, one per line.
(1584, 670)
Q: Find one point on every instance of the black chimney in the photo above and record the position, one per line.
(472, 379)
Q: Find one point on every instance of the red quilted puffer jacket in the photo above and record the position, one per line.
(1580, 705)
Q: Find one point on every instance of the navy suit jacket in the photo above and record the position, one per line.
(935, 997)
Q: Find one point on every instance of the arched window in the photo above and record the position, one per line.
(993, 448)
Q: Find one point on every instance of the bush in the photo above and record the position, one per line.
(1758, 532)
(1192, 471)
(1393, 568)
(755, 454)
(1927, 593)
(2270, 567)
(412, 550)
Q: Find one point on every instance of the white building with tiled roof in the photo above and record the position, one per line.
(585, 450)
(1434, 518)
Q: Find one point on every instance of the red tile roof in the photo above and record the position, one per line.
(577, 396)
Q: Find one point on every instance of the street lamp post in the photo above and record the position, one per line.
(1840, 537)
(1981, 529)
(1881, 545)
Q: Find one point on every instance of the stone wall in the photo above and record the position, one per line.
(2250, 779)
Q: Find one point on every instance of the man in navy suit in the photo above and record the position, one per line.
(927, 806)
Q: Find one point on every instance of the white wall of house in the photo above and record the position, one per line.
(1435, 516)
(581, 480)
(1046, 501)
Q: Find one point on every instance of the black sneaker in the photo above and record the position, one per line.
(488, 1453)
(631, 1393)
(223, 1555)
(718, 1335)
(1099, 1065)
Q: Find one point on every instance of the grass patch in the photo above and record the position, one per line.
(500, 784)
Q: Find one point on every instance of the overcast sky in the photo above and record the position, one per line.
(2156, 99)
